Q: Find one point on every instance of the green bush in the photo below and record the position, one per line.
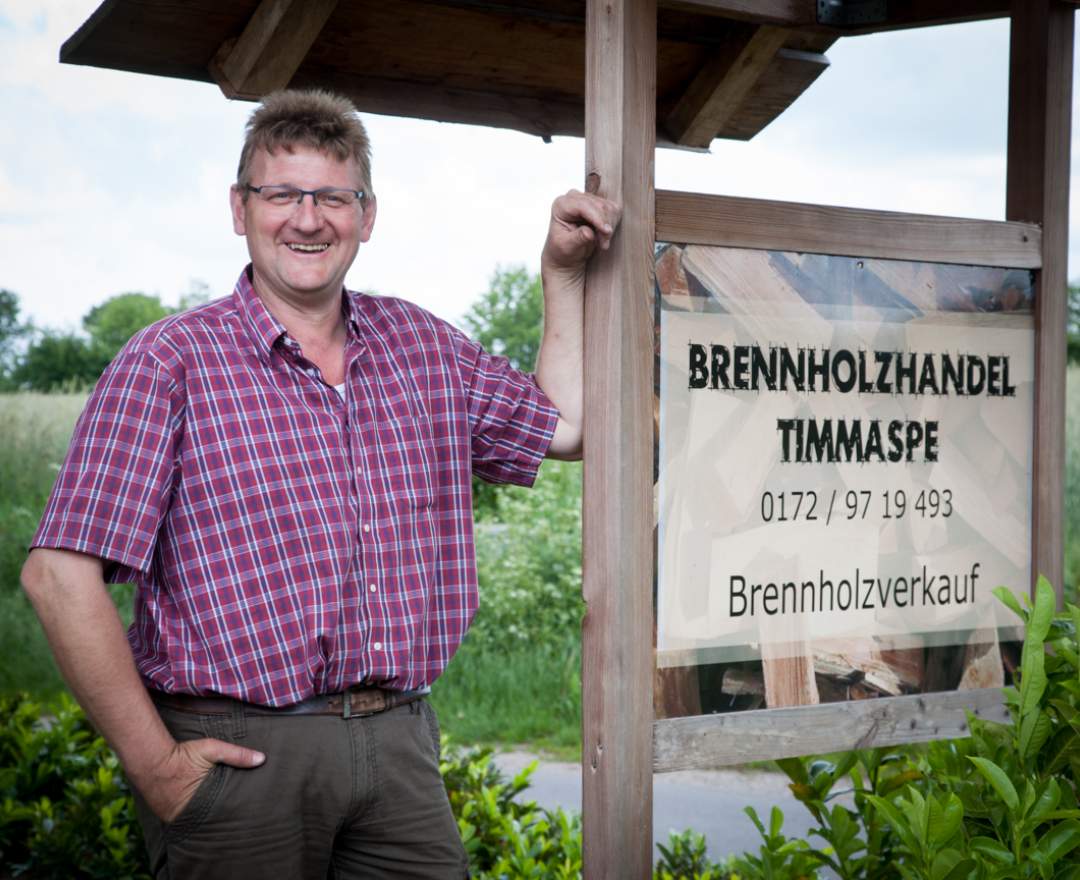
(65, 807)
(999, 804)
(529, 563)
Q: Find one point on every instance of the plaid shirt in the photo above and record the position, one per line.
(284, 542)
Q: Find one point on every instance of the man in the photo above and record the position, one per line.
(285, 474)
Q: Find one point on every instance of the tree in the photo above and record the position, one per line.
(11, 331)
(115, 321)
(57, 361)
(1072, 323)
(509, 318)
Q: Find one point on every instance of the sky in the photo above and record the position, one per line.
(113, 182)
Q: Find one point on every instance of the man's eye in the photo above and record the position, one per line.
(333, 199)
(284, 196)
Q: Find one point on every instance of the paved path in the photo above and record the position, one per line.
(711, 802)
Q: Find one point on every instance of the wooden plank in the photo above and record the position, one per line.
(1037, 190)
(934, 13)
(788, 13)
(722, 86)
(791, 73)
(738, 737)
(795, 13)
(789, 680)
(690, 218)
(275, 41)
(617, 658)
(371, 94)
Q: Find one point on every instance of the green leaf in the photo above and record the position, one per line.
(1032, 674)
(752, 813)
(1047, 802)
(949, 865)
(1006, 596)
(1000, 782)
(795, 770)
(776, 821)
(992, 849)
(897, 821)
(949, 821)
(1043, 612)
(1035, 730)
(1059, 840)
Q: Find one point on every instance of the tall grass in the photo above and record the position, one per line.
(527, 693)
(1072, 484)
(34, 434)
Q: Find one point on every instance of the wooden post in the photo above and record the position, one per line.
(1040, 106)
(617, 706)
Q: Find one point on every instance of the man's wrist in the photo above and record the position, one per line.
(142, 758)
(562, 279)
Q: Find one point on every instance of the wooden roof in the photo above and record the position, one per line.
(725, 68)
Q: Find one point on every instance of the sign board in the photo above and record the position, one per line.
(844, 470)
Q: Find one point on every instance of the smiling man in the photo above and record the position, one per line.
(285, 475)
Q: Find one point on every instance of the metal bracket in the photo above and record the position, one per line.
(851, 13)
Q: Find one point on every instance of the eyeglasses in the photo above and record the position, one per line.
(285, 196)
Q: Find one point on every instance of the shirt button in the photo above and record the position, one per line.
(367, 528)
(371, 587)
(377, 646)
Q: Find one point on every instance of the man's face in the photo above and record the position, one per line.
(301, 253)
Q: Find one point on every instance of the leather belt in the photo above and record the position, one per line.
(356, 702)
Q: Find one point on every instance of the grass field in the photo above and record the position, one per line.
(528, 694)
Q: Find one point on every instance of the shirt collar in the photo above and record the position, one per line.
(265, 330)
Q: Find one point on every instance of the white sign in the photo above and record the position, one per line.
(865, 474)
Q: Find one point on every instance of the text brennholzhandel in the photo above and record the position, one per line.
(782, 369)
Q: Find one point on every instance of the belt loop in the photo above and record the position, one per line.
(239, 720)
(346, 704)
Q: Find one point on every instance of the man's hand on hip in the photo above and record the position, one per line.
(170, 784)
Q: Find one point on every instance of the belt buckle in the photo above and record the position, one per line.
(380, 704)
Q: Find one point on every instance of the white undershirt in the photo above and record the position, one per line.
(340, 389)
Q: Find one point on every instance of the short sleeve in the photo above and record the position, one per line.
(511, 420)
(115, 484)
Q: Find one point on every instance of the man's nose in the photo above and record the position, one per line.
(307, 214)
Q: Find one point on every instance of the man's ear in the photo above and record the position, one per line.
(239, 210)
(367, 222)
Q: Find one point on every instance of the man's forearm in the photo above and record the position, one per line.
(88, 642)
(580, 223)
(559, 363)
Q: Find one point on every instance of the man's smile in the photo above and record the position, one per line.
(312, 248)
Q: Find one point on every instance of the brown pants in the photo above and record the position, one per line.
(336, 798)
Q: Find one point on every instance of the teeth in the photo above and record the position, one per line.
(309, 248)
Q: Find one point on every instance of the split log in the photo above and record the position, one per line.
(740, 681)
(982, 661)
(676, 692)
(789, 676)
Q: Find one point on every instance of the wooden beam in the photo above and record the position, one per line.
(689, 218)
(803, 14)
(617, 657)
(721, 87)
(1037, 191)
(791, 73)
(787, 13)
(709, 741)
(271, 48)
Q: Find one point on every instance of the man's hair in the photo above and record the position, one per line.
(317, 119)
